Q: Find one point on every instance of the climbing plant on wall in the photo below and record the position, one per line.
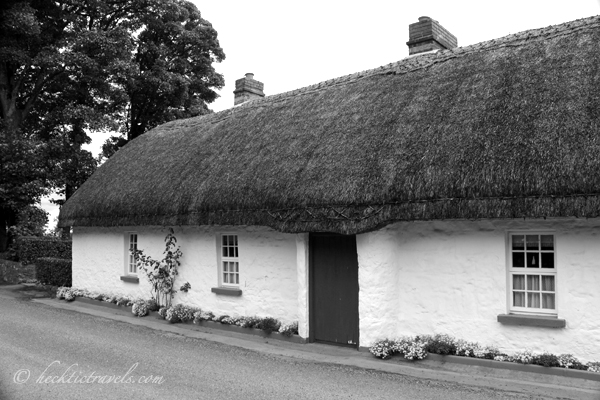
(161, 273)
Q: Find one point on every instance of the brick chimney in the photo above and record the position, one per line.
(246, 89)
(427, 35)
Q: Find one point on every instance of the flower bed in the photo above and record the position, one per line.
(418, 347)
(262, 326)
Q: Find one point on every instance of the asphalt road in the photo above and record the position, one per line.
(49, 353)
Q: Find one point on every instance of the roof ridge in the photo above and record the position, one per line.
(410, 64)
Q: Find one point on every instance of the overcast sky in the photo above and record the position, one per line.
(292, 44)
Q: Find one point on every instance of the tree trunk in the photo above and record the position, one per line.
(77, 138)
(8, 218)
(66, 231)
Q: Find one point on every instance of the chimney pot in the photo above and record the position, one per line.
(427, 35)
(247, 89)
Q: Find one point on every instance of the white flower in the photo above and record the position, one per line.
(567, 360)
(139, 308)
(593, 366)
(69, 296)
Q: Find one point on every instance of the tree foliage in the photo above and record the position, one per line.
(174, 73)
(72, 67)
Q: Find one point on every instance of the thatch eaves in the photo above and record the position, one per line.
(508, 128)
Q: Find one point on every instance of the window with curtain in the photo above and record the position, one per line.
(532, 273)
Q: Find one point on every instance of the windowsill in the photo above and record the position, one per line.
(130, 278)
(532, 320)
(227, 291)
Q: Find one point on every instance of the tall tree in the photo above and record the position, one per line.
(51, 56)
(70, 67)
(174, 75)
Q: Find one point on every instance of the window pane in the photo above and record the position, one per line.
(533, 242)
(519, 299)
(547, 260)
(518, 260)
(236, 251)
(518, 242)
(533, 260)
(225, 278)
(548, 283)
(224, 240)
(533, 282)
(230, 240)
(235, 240)
(533, 300)
(235, 267)
(133, 241)
(519, 282)
(548, 301)
(547, 242)
(224, 251)
(237, 279)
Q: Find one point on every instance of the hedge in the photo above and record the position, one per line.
(29, 248)
(53, 271)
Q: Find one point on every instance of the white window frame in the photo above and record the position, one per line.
(538, 271)
(229, 260)
(131, 238)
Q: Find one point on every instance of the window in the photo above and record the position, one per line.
(229, 262)
(132, 245)
(532, 273)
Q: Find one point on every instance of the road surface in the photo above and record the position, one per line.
(49, 353)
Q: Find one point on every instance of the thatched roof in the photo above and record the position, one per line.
(508, 128)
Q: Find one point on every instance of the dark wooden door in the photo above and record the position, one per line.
(334, 289)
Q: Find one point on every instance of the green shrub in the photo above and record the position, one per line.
(546, 360)
(221, 318)
(53, 271)
(30, 248)
(441, 344)
(249, 322)
(269, 325)
(580, 366)
(152, 305)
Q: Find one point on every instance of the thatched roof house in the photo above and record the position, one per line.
(508, 128)
(455, 192)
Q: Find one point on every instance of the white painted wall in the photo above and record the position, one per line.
(302, 271)
(414, 278)
(451, 277)
(99, 262)
(268, 268)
